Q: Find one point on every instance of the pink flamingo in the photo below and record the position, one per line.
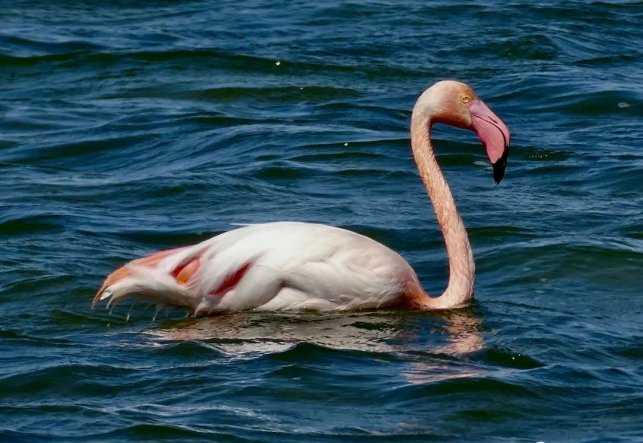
(290, 265)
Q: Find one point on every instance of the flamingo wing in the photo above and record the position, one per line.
(273, 266)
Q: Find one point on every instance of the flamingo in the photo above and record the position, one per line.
(306, 266)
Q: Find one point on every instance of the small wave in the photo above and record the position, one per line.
(460, 385)
(325, 157)
(278, 94)
(98, 380)
(283, 173)
(595, 103)
(373, 172)
(508, 359)
(85, 147)
(28, 49)
(30, 224)
(312, 352)
(528, 47)
(608, 60)
(160, 432)
(633, 350)
(188, 350)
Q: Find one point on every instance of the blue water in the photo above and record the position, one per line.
(129, 127)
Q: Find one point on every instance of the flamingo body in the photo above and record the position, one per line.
(273, 266)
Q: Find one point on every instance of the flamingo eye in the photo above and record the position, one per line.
(466, 99)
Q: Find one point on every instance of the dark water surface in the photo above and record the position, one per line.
(128, 127)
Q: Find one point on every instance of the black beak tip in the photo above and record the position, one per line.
(498, 172)
(499, 166)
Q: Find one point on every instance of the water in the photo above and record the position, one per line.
(129, 127)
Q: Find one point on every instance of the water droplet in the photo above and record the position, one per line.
(623, 105)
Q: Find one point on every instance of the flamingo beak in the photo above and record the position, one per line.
(493, 134)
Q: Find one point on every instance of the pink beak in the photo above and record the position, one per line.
(493, 134)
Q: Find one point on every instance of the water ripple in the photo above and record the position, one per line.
(129, 127)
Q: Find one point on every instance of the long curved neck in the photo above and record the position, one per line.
(461, 266)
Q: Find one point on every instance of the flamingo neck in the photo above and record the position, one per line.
(461, 266)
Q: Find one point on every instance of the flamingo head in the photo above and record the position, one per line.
(456, 104)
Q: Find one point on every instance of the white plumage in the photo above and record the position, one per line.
(286, 265)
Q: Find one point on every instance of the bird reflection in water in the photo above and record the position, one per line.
(429, 341)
